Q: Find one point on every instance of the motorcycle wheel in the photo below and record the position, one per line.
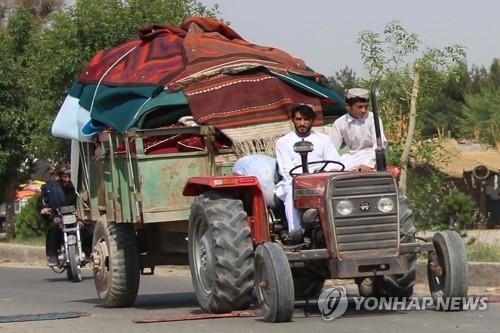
(74, 267)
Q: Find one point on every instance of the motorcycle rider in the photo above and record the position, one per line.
(55, 194)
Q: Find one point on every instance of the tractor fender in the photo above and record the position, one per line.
(245, 188)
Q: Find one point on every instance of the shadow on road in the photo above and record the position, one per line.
(166, 301)
(62, 278)
(154, 301)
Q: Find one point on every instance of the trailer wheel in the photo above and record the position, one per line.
(447, 268)
(274, 283)
(115, 263)
(220, 254)
(400, 285)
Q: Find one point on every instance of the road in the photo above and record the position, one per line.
(39, 291)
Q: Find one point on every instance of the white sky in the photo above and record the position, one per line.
(324, 32)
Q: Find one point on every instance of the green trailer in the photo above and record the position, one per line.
(136, 201)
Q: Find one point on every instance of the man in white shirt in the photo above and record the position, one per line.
(357, 130)
(303, 117)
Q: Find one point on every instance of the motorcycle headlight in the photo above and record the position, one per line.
(344, 207)
(71, 239)
(385, 205)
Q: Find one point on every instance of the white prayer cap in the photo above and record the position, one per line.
(358, 92)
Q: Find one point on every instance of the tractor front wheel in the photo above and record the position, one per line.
(447, 268)
(274, 283)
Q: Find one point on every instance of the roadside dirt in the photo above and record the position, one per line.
(455, 157)
(420, 289)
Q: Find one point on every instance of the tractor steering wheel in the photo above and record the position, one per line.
(322, 169)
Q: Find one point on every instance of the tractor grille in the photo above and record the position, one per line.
(366, 232)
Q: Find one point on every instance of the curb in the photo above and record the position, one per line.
(21, 253)
(486, 274)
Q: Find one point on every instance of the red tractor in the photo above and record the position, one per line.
(357, 226)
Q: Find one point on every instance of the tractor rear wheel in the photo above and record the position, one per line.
(220, 254)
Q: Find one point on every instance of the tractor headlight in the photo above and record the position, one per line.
(344, 207)
(385, 205)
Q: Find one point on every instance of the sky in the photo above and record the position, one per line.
(324, 32)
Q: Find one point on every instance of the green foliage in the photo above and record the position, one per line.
(494, 77)
(28, 223)
(387, 53)
(420, 155)
(482, 252)
(389, 60)
(426, 192)
(20, 26)
(443, 78)
(456, 210)
(434, 206)
(343, 80)
(393, 154)
(482, 116)
(14, 130)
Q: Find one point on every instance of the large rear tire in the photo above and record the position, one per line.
(116, 263)
(274, 283)
(220, 254)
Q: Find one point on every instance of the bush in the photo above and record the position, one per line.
(28, 223)
(477, 251)
(426, 192)
(456, 210)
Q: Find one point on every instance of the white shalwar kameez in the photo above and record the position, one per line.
(287, 159)
(359, 136)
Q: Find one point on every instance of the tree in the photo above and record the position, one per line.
(388, 61)
(482, 116)
(43, 49)
(385, 61)
(343, 80)
(495, 74)
(385, 58)
(14, 130)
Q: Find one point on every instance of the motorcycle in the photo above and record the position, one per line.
(70, 255)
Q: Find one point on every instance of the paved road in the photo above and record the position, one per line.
(38, 290)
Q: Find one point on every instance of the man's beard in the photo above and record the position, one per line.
(305, 131)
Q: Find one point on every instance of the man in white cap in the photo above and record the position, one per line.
(357, 130)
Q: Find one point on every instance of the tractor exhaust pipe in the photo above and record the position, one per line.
(379, 151)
